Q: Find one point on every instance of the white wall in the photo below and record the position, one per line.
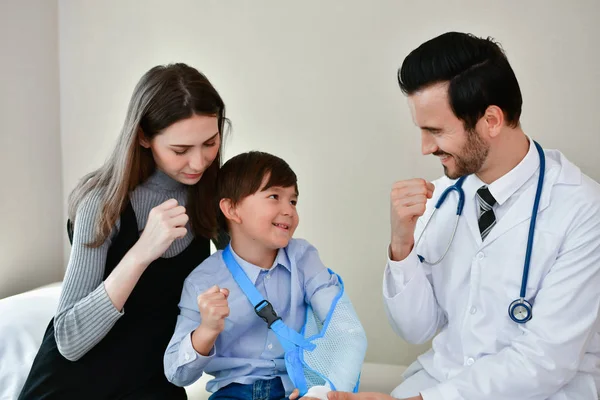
(31, 193)
(315, 83)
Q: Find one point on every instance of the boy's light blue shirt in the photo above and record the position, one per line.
(246, 350)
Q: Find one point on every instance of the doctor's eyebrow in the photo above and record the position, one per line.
(431, 129)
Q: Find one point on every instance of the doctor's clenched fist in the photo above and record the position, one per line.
(407, 203)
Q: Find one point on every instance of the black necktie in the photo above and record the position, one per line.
(487, 218)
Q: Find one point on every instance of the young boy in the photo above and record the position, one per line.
(218, 330)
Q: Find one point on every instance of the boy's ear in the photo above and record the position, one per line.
(229, 210)
(144, 142)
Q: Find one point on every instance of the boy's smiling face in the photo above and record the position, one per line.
(269, 217)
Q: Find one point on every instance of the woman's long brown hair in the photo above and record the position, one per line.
(163, 96)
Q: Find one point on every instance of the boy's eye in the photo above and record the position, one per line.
(294, 202)
(179, 153)
(274, 196)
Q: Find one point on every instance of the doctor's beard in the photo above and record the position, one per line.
(471, 158)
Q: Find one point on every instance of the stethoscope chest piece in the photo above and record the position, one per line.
(520, 311)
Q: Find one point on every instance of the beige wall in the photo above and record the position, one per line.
(31, 191)
(315, 82)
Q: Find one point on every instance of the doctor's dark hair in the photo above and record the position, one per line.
(243, 175)
(476, 69)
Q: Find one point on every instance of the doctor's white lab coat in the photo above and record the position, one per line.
(480, 353)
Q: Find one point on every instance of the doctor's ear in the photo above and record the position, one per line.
(229, 210)
(494, 120)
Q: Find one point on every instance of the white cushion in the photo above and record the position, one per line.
(382, 378)
(23, 321)
(197, 390)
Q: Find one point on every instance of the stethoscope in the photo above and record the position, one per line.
(520, 309)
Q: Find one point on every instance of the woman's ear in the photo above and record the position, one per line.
(144, 142)
(229, 211)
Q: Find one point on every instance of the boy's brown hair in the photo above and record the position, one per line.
(243, 175)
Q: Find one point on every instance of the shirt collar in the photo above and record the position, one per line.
(507, 185)
(254, 270)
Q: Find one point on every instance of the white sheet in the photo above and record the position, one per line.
(23, 320)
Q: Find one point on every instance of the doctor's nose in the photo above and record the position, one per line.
(428, 145)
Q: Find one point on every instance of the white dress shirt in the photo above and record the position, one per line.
(479, 352)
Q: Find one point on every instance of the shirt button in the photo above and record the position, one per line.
(270, 346)
(470, 361)
(268, 276)
(480, 256)
(187, 357)
(473, 310)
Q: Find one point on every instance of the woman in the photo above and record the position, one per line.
(142, 222)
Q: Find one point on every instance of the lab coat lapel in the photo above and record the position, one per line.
(520, 212)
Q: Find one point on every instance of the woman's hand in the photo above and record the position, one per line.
(166, 222)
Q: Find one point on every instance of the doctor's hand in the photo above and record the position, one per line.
(407, 203)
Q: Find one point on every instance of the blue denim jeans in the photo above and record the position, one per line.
(259, 390)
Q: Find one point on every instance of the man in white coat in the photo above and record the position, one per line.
(465, 99)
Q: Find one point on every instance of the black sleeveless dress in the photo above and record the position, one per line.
(128, 362)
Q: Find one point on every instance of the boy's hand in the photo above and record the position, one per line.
(364, 396)
(296, 395)
(214, 308)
